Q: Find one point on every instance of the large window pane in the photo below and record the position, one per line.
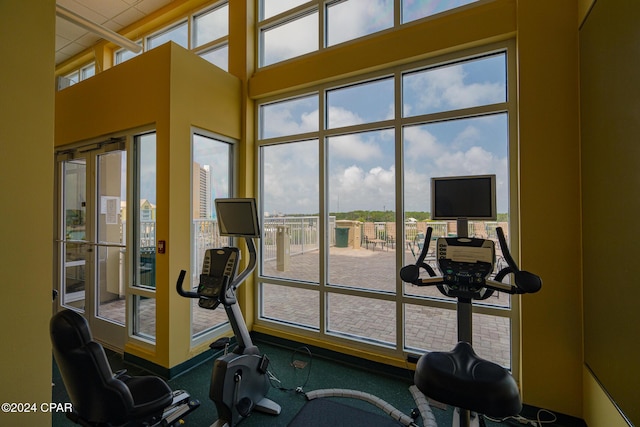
(218, 56)
(269, 8)
(354, 316)
(416, 9)
(177, 34)
(362, 198)
(363, 103)
(212, 160)
(144, 236)
(347, 20)
(211, 25)
(290, 117)
(124, 55)
(291, 224)
(462, 85)
(144, 322)
(469, 146)
(289, 39)
(145, 212)
(290, 305)
(436, 329)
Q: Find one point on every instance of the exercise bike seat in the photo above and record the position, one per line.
(462, 379)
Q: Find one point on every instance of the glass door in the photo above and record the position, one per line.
(92, 247)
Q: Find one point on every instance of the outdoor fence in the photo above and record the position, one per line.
(302, 234)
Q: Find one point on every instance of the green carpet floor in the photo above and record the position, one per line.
(319, 373)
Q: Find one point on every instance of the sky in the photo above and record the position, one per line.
(361, 166)
(346, 20)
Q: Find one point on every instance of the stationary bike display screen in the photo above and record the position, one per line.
(237, 217)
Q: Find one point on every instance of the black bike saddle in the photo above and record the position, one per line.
(462, 379)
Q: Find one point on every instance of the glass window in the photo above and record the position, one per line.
(362, 103)
(291, 225)
(144, 322)
(300, 307)
(211, 171)
(435, 329)
(289, 39)
(210, 25)
(347, 315)
(416, 9)
(464, 84)
(269, 8)
(77, 76)
(333, 155)
(347, 20)
(465, 146)
(362, 199)
(145, 212)
(177, 34)
(144, 218)
(88, 71)
(218, 56)
(293, 116)
(123, 55)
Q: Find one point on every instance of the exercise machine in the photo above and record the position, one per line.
(460, 378)
(103, 398)
(239, 381)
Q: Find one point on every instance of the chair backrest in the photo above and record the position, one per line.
(96, 395)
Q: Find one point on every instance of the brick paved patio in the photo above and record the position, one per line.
(374, 319)
(424, 327)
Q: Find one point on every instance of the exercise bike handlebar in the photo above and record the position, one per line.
(525, 282)
(181, 291)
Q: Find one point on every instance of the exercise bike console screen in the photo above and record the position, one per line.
(468, 197)
(237, 217)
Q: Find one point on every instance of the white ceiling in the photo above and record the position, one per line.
(112, 14)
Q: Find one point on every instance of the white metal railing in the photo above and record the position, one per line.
(303, 234)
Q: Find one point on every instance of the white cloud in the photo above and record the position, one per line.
(291, 39)
(354, 188)
(445, 88)
(355, 18)
(354, 147)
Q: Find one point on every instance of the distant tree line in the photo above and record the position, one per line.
(389, 216)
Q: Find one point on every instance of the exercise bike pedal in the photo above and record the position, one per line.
(220, 343)
(244, 407)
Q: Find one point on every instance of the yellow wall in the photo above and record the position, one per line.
(610, 105)
(26, 197)
(598, 408)
(172, 90)
(550, 242)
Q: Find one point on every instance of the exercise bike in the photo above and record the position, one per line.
(460, 378)
(239, 381)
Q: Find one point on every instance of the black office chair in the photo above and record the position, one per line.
(100, 397)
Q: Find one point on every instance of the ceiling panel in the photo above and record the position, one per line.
(112, 14)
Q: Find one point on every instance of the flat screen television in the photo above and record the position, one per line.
(237, 217)
(464, 197)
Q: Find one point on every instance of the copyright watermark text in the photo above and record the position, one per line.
(26, 407)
